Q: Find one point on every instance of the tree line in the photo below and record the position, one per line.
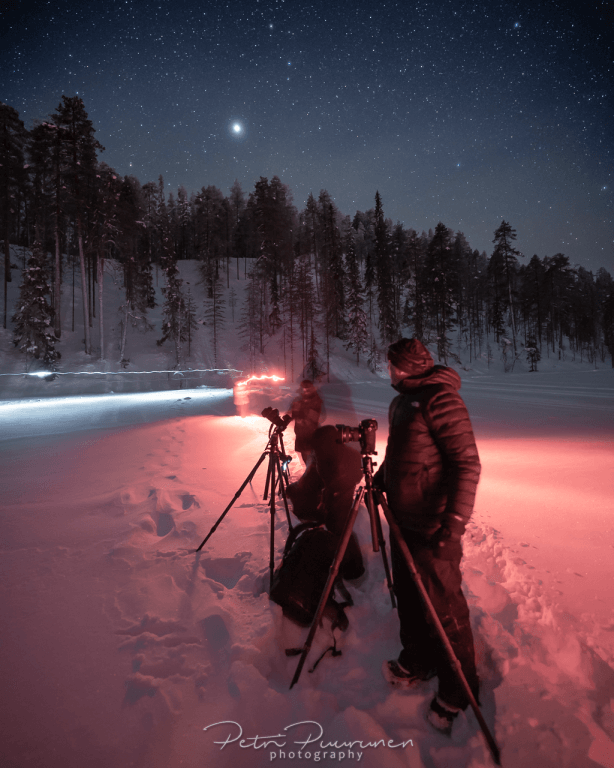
(313, 277)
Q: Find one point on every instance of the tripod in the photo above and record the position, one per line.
(368, 492)
(277, 476)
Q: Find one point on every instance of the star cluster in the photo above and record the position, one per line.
(460, 112)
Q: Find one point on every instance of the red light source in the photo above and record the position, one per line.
(259, 378)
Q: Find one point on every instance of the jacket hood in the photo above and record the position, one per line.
(439, 374)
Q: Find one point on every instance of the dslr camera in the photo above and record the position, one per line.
(272, 414)
(364, 434)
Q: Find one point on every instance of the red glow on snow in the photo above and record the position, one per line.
(245, 382)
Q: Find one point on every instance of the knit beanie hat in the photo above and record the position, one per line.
(410, 355)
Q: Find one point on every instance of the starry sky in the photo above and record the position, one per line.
(461, 112)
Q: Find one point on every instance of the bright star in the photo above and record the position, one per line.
(237, 128)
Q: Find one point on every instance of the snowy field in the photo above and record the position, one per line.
(120, 645)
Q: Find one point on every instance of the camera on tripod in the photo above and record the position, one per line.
(272, 414)
(364, 434)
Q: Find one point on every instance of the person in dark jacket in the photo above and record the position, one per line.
(305, 411)
(325, 492)
(430, 476)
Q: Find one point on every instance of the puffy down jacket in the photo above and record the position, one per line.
(432, 468)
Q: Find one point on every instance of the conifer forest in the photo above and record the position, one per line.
(310, 276)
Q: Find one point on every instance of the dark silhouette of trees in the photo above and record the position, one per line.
(12, 179)
(312, 282)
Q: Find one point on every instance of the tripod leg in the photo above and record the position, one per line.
(378, 534)
(432, 615)
(282, 490)
(268, 480)
(236, 496)
(272, 548)
(334, 570)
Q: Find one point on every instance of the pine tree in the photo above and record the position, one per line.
(249, 326)
(12, 176)
(386, 301)
(505, 255)
(314, 367)
(357, 321)
(33, 320)
(333, 276)
(558, 280)
(442, 278)
(40, 162)
(214, 314)
(533, 298)
(190, 321)
(173, 309)
(107, 233)
(237, 206)
(607, 322)
(414, 313)
(533, 355)
(79, 149)
(138, 282)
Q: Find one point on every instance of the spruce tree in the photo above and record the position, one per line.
(414, 312)
(138, 283)
(214, 314)
(388, 319)
(33, 332)
(190, 321)
(173, 309)
(357, 320)
(442, 278)
(505, 255)
(12, 176)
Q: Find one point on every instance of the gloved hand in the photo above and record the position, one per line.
(446, 542)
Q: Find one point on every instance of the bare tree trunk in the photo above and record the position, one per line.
(124, 331)
(7, 273)
(84, 290)
(100, 305)
(57, 319)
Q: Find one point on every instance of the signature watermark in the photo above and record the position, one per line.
(312, 744)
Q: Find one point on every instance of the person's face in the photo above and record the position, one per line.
(396, 375)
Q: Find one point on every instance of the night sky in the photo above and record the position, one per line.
(466, 113)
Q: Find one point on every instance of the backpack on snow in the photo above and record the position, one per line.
(299, 581)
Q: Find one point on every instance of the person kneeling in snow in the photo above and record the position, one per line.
(430, 475)
(325, 492)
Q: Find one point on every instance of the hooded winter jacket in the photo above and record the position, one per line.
(432, 468)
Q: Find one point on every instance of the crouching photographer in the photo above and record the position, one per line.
(325, 492)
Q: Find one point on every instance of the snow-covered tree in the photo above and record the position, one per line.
(12, 140)
(33, 332)
(357, 320)
(173, 309)
(214, 313)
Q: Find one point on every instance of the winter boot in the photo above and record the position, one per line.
(442, 716)
(400, 677)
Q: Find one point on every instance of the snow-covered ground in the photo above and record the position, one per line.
(120, 645)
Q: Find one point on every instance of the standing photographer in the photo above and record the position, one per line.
(306, 411)
(430, 475)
